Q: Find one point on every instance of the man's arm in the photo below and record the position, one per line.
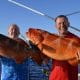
(13, 49)
(52, 53)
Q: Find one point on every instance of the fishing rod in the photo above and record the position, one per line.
(40, 13)
(33, 10)
(76, 12)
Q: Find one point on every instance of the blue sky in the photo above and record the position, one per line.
(11, 13)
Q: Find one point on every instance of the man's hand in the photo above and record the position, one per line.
(78, 56)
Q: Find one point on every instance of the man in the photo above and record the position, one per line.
(10, 70)
(62, 69)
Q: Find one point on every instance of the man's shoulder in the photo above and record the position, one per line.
(74, 37)
(21, 41)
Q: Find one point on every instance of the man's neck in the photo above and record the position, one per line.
(63, 34)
